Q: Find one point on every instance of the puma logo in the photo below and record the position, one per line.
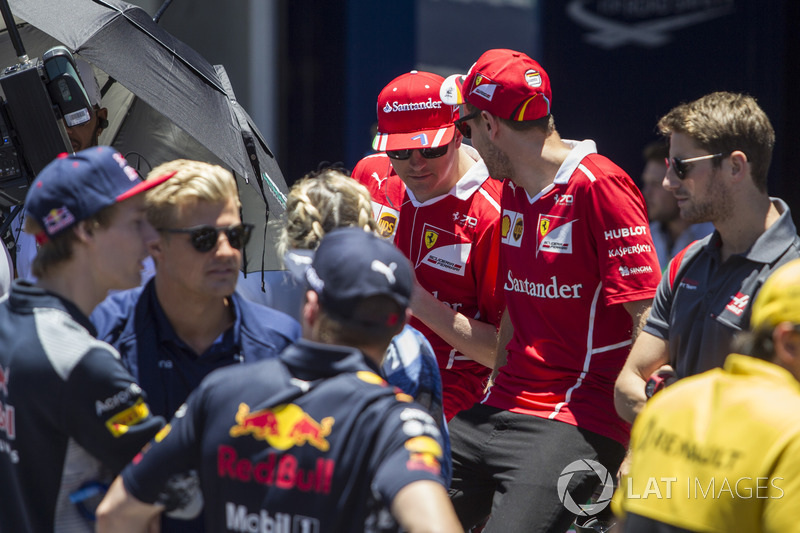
(388, 271)
(379, 180)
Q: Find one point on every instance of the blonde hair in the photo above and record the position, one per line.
(194, 181)
(321, 202)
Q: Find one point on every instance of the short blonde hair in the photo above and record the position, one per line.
(321, 202)
(194, 181)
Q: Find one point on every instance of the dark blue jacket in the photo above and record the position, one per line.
(313, 440)
(166, 368)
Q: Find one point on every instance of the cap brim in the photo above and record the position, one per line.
(450, 92)
(416, 139)
(297, 262)
(145, 185)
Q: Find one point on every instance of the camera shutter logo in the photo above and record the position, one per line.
(585, 465)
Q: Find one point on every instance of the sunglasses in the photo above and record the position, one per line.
(204, 238)
(427, 153)
(463, 127)
(681, 166)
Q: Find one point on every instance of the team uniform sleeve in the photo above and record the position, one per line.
(105, 411)
(491, 297)
(176, 450)
(627, 259)
(411, 450)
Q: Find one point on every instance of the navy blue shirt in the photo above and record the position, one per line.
(166, 367)
(312, 441)
(70, 414)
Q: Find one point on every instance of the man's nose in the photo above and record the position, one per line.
(416, 160)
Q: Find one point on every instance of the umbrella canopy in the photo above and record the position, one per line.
(172, 102)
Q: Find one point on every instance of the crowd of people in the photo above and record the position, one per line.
(480, 319)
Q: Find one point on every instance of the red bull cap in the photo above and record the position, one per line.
(74, 187)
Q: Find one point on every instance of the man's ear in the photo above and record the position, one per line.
(102, 119)
(740, 166)
(155, 247)
(84, 230)
(311, 308)
(491, 123)
(787, 345)
(458, 138)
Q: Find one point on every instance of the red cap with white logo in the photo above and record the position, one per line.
(506, 83)
(411, 114)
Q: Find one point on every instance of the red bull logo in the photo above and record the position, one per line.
(282, 471)
(283, 427)
(5, 374)
(58, 219)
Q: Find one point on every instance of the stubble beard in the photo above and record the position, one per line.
(498, 163)
(717, 206)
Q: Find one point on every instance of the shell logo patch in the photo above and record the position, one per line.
(512, 228)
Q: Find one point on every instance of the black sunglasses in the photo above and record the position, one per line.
(463, 127)
(204, 238)
(681, 166)
(427, 153)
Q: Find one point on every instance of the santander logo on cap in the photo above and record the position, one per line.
(412, 106)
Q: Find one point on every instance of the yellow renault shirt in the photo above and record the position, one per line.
(719, 451)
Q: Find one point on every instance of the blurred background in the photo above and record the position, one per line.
(309, 71)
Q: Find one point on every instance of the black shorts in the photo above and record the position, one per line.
(508, 465)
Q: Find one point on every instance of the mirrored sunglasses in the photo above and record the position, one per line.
(427, 153)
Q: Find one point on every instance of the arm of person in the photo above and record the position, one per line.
(639, 311)
(504, 335)
(423, 506)
(121, 512)
(105, 410)
(473, 338)
(648, 354)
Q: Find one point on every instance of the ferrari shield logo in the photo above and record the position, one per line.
(430, 238)
(544, 226)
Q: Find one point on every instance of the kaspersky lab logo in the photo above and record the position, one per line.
(578, 467)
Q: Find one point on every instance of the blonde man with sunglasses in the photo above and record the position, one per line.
(719, 155)
(434, 196)
(188, 320)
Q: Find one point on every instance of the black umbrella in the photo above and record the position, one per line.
(182, 106)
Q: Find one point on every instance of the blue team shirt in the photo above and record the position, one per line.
(312, 441)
